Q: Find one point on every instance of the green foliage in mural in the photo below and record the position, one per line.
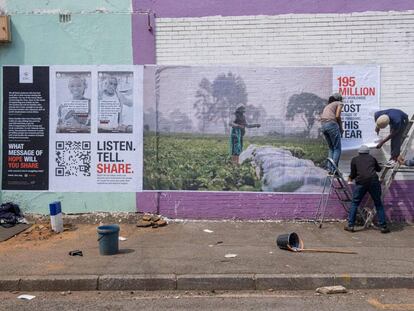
(195, 162)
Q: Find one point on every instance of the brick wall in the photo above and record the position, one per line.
(384, 38)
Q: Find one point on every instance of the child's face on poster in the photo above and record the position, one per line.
(77, 87)
(111, 85)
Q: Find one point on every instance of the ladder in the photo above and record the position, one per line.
(334, 183)
(387, 174)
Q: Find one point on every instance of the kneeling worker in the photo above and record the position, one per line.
(397, 120)
(364, 168)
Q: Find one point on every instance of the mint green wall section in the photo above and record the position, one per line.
(99, 33)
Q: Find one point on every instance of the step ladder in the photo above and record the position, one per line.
(387, 174)
(334, 183)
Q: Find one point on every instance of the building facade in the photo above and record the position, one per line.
(300, 33)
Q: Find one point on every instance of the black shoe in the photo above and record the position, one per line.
(349, 229)
(385, 229)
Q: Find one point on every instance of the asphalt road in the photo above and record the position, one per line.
(396, 299)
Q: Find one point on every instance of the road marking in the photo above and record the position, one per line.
(388, 306)
(241, 295)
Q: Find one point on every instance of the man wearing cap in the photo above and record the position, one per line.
(397, 120)
(364, 168)
(332, 127)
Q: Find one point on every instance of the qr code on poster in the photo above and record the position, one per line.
(73, 158)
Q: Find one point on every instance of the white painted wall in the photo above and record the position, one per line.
(383, 38)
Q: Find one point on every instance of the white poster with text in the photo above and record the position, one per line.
(360, 88)
(96, 128)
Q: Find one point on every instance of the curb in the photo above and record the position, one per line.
(204, 282)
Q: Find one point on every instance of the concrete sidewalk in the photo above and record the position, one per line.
(183, 256)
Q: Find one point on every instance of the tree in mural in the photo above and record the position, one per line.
(180, 122)
(204, 103)
(217, 101)
(307, 106)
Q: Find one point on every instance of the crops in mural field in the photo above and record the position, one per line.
(203, 163)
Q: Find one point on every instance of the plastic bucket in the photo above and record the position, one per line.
(289, 241)
(108, 236)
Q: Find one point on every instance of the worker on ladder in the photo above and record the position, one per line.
(398, 120)
(364, 168)
(332, 128)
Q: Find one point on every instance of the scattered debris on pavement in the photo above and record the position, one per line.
(39, 232)
(208, 231)
(121, 238)
(230, 255)
(338, 289)
(144, 223)
(76, 253)
(149, 220)
(26, 297)
(66, 293)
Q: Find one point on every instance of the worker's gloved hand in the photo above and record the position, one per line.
(379, 146)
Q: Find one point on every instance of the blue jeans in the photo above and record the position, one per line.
(409, 162)
(333, 138)
(396, 141)
(374, 189)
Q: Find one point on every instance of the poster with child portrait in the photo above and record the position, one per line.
(73, 100)
(115, 102)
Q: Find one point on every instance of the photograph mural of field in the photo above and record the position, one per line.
(234, 128)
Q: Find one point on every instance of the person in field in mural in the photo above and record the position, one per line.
(332, 128)
(238, 129)
(75, 115)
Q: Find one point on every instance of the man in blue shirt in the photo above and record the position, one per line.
(397, 120)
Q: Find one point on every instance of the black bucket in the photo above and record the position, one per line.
(289, 241)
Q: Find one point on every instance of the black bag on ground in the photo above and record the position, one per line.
(10, 214)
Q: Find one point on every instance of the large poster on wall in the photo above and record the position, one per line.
(25, 128)
(241, 128)
(235, 128)
(96, 128)
(72, 128)
(80, 128)
(360, 88)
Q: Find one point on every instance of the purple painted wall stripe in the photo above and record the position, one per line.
(143, 38)
(278, 206)
(196, 8)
